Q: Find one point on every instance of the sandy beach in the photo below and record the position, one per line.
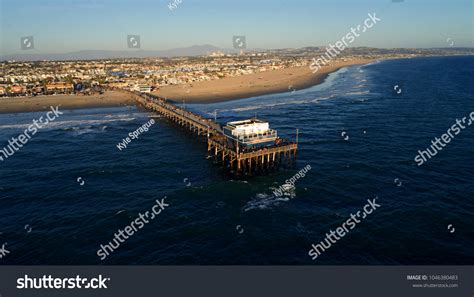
(276, 81)
(40, 103)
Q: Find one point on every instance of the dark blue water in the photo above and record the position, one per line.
(47, 217)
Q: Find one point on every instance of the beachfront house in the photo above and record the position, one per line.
(59, 87)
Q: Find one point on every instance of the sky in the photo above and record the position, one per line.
(72, 25)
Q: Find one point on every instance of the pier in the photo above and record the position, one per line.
(227, 150)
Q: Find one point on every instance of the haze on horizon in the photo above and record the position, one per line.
(76, 25)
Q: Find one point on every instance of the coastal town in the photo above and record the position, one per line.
(88, 77)
(144, 75)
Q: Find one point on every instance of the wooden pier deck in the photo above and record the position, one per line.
(239, 160)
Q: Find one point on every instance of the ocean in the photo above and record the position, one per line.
(69, 189)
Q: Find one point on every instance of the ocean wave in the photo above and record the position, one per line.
(120, 211)
(266, 106)
(116, 116)
(361, 100)
(68, 124)
(239, 181)
(265, 201)
(371, 63)
(128, 115)
(86, 129)
(272, 105)
(317, 100)
(358, 93)
(79, 130)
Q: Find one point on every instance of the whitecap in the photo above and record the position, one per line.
(66, 124)
(358, 93)
(265, 201)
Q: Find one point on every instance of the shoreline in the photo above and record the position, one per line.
(222, 90)
(253, 85)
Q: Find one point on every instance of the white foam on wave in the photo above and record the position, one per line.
(317, 100)
(81, 130)
(239, 181)
(270, 105)
(275, 104)
(361, 100)
(120, 211)
(126, 115)
(358, 93)
(69, 123)
(265, 201)
(371, 63)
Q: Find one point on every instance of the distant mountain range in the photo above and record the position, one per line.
(196, 50)
(203, 50)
